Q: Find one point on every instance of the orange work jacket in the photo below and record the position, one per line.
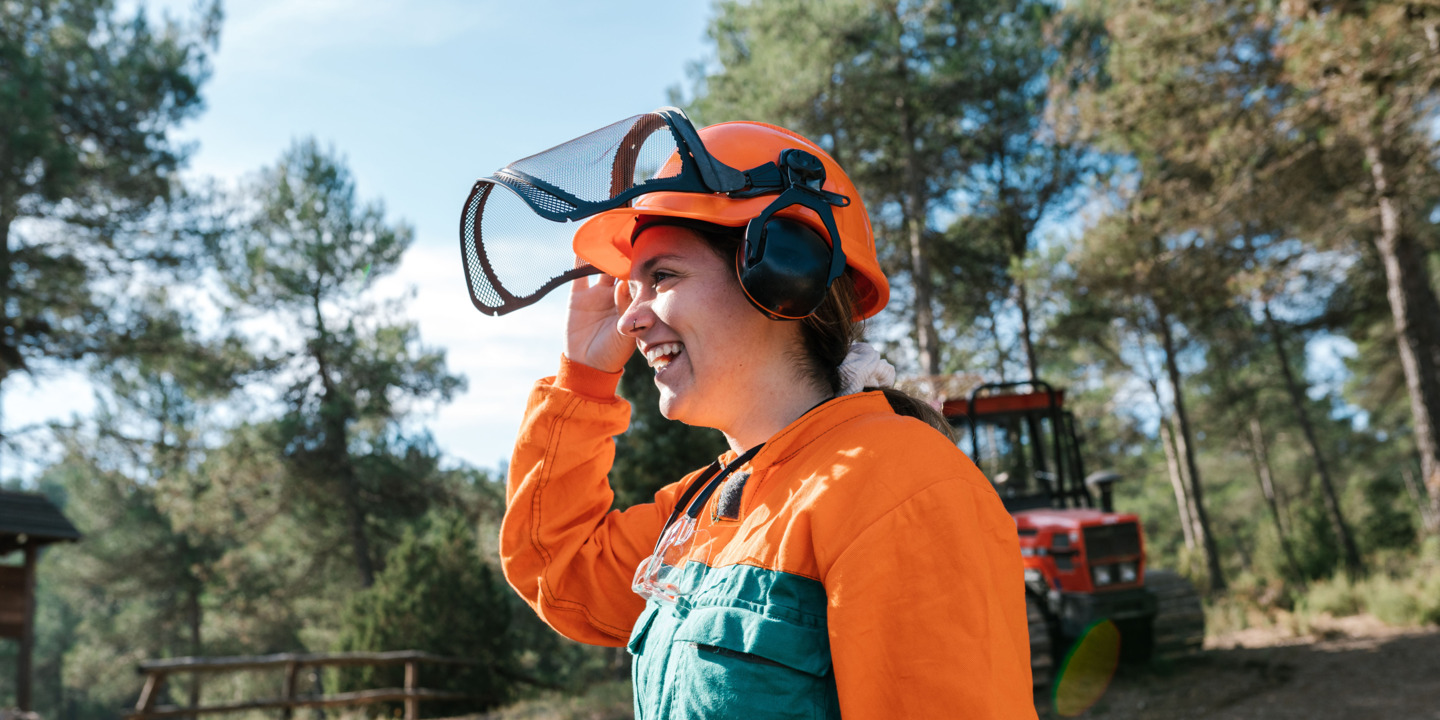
(864, 568)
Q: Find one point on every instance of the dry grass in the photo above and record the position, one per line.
(603, 701)
(1401, 591)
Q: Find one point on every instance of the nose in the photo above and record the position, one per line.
(636, 315)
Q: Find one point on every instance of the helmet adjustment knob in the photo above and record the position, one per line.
(803, 168)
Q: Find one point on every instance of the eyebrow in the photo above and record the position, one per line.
(650, 264)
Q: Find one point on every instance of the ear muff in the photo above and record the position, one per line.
(785, 271)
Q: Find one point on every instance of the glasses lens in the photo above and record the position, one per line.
(664, 576)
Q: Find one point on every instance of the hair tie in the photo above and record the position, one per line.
(863, 367)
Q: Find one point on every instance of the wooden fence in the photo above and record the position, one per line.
(157, 671)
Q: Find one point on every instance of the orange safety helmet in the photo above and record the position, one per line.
(605, 240)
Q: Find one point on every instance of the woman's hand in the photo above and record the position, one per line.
(591, 335)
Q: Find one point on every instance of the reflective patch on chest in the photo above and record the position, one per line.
(727, 506)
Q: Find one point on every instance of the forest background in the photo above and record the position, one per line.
(1183, 213)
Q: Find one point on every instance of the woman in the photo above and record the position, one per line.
(843, 558)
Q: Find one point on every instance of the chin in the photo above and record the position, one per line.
(669, 407)
(673, 408)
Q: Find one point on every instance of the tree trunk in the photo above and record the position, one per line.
(926, 340)
(999, 347)
(6, 351)
(1204, 538)
(925, 335)
(359, 541)
(1177, 483)
(1023, 300)
(1430, 522)
(1348, 550)
(1260, 460)
(915, 209)
(1172, 461)
(1182, 450)
(337, 450)
(1413, 306)
(1018, 238)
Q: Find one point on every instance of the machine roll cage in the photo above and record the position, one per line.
(1059, 471)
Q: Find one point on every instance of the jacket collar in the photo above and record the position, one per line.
(813, 424)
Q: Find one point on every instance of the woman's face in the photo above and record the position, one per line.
(713, 354)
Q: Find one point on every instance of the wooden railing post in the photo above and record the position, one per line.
(154, 681)
(287, 691)
(157, 672)
(412, 703)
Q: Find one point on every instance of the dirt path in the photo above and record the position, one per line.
(1354, 668)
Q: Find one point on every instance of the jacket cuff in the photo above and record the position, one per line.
(587, 381)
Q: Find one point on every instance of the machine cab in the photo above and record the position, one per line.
(1023, 439)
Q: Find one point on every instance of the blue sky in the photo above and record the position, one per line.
(422, 98)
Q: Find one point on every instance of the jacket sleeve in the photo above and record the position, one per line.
(561, 546)
(927, 609)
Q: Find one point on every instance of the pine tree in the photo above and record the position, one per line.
(351, 366)
(1368, 73)
(894, 91)
(88, 100)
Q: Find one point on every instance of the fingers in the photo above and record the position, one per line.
(585, 282)
(623, 298)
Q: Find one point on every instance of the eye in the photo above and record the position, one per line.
(659, 276)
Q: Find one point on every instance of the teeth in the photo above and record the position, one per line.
(660, 355)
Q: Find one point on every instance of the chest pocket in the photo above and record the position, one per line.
(729, 661)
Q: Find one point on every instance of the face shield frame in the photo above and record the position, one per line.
(795, 178)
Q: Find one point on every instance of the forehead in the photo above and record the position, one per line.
(659, 242)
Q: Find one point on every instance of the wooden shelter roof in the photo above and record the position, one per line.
(33, 516)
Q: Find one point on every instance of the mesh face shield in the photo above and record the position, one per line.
(517, 224)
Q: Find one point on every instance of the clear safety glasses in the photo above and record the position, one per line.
(663, 577)
(667, 574)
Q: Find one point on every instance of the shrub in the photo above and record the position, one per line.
(435, 595)
(1392, 601)
(1388, 521)
(1334, 595)
(1429, 611)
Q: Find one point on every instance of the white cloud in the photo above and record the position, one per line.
(500, 356)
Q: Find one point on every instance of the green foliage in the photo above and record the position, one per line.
(1231, 237)
(1404, 599)
(438, 596)
(930, 108)
(133, 586)
(1389, 522)
(205, 536)
(1335, 595)
(354, 368)
(88, 99)
(1316, 549)
(1391, 602)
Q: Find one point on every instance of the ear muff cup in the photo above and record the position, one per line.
(785, 271)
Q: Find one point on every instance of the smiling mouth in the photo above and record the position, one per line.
(660, 356)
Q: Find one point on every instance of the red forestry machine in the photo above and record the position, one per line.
(1084, 562)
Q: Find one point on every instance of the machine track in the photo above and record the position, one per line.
(1042, 655)
(1179, 625)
